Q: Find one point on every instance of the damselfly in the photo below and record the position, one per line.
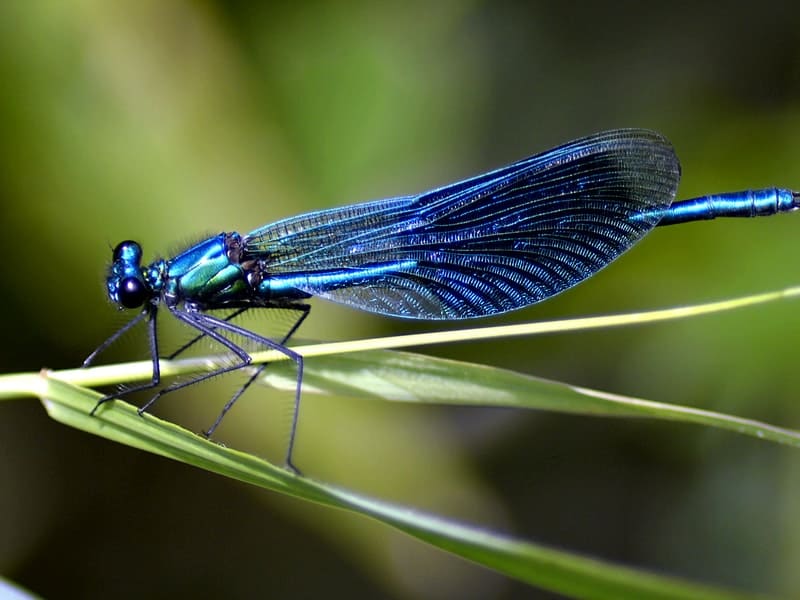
(487, 245)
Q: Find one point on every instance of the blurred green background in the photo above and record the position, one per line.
(163, 121)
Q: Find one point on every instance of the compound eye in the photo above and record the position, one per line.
(132, 292)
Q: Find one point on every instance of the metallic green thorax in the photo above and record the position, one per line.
(208, 273)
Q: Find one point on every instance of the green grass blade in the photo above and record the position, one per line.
(355, 370)
(551, 569)
(408, 377)
(142, 370)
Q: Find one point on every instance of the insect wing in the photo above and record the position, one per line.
(486, 245)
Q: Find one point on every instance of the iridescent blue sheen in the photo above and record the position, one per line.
(483, 246)
(749, 203)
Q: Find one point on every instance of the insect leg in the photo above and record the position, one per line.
(152, 333)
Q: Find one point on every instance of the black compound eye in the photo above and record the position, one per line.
(132, 292)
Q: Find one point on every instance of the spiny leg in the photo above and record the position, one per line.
(304, 310)
(150, 311)
(207, 326)
(152, 333)
(198, 321)
(199, 337)
(212, 324)
(117, 334)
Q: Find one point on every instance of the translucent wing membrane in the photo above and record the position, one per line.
(485, 245)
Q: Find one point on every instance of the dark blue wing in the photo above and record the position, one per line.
(486, 245)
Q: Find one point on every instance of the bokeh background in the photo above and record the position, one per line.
(164, 120)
